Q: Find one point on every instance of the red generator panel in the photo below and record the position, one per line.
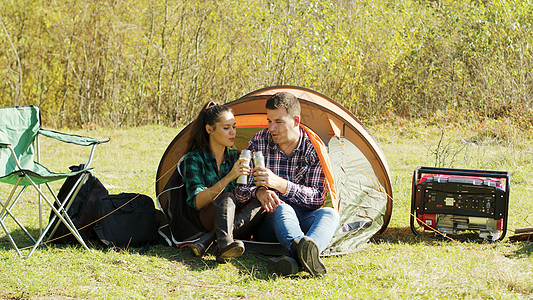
(448, 201)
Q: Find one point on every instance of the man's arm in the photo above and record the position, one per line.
(312, 192)
(312, 196)
(309, 192)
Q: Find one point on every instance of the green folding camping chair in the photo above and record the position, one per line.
(19, 166)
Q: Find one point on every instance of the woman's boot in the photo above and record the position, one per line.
(200, 247)
(224, 217)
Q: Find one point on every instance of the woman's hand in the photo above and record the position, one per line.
(239, 168)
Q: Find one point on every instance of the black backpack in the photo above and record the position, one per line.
(82, 211)
(126, 219)
(116, 220)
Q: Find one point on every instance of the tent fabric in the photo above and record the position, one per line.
(323, 156)
(358, 165)
(362, 215)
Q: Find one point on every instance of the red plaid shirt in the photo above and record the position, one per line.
(302, 169)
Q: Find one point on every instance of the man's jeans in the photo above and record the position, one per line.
(287, 223)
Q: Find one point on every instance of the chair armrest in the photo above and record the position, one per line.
(71, 138)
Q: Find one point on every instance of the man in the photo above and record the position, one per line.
(291, 188)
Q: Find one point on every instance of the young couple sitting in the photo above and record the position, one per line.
(282, 202)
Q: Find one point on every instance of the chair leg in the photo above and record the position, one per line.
(10, 197)
(63, 219)
(38, 159)
(13, 203)
(6, 209)
(8, 212)
(68, 199)
(10, 238)
(61, 213)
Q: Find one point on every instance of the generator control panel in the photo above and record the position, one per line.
(460, 196)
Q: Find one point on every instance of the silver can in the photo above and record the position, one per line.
(247, 154)
(259, 159)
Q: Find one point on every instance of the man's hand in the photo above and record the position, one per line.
(265, 177)
(268, 199)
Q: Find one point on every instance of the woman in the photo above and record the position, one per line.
(209, 172)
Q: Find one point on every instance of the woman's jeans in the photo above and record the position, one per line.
(287, 223)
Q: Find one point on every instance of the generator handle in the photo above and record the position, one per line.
(413, 204)
(462, 172)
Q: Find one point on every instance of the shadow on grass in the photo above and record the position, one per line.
(404, 235)
(525, 249)
(20, 237)
(251, 263)
(401, 235)
(25, 243)
(253, 259)
(254, 256)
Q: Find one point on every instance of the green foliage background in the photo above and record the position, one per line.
(134, 62)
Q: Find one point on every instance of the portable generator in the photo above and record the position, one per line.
(448, 201)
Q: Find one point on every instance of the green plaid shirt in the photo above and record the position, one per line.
(200, 172)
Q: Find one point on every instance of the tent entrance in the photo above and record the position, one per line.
(359, 167)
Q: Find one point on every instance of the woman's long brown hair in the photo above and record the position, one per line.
(209, 114)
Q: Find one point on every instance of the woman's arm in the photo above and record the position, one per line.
(196, 186)
(205, 197)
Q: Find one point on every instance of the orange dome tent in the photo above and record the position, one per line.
(360, 172)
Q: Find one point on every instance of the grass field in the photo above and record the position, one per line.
(394, 265)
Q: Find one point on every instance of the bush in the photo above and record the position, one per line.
(145, 62)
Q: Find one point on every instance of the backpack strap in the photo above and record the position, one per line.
(99, 230)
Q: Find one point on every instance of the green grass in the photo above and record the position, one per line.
(394, 265)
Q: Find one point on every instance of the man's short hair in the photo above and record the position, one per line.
(284, 100)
